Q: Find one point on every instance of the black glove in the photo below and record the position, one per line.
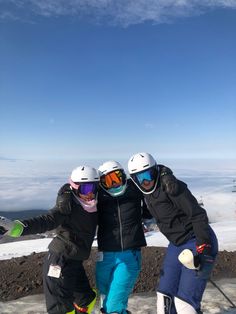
(64, 197)
(205, 260)
(169, 181)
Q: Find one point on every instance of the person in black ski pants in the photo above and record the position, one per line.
(66, 286)
(185, 224)
(120, 236)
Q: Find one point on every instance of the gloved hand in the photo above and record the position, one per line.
(169, 181)
(15, 228)
(205, 260)
(63, 201)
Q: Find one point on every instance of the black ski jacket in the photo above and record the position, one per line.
(120, 219)
(75, 230)
(178, 214)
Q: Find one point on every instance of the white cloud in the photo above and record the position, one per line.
(121, 12)
(29, 193)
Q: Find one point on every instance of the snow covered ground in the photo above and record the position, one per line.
(213, 300)
(225, 231)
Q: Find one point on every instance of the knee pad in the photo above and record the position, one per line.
(183, 307)
(164, 303)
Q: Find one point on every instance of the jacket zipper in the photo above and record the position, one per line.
(121, 237)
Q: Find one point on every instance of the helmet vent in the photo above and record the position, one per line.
(146, 166)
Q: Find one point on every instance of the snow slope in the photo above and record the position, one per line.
(213, 302)
(225, 231)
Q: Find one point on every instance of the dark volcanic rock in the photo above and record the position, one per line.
(23, 276)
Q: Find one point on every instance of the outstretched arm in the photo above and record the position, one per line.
(34, 225)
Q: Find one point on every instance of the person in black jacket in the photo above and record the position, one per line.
(185, 224)
(66, 286)
(120, 235)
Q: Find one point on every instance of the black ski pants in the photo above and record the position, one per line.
(69, 284)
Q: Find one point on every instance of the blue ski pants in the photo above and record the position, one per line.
(116, 274)
(178, 281)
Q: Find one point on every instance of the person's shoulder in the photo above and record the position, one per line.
(65, 188)
(164, 170)
(170, 184)
(64, 198)
(131, 186)
(130, 181)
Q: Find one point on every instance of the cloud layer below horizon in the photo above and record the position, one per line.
(122, 12)
(39, 192)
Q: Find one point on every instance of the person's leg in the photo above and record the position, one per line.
(104, 272)
(192, 286)
(75, 276)
(125, 273)
(59, 300)
(65, 285)
(169, 281)
(190, 290)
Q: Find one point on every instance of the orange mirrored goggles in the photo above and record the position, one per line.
(113, 179)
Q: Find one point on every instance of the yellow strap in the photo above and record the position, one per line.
(92, 304)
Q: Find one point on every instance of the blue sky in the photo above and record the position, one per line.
(106, 79)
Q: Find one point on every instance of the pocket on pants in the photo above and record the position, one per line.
(56, 265)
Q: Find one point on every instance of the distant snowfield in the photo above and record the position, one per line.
(225, 231)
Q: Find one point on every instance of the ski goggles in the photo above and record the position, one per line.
(113, 179)
(85, 188)
(146, 175)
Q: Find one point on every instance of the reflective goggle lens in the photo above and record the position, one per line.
(84, 188)
(114, 178)
(145, 176)
(88, 188)
(142, 176)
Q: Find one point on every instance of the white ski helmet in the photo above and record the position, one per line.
(106, 170)
(84, 182)
(84, 174)
(109, 166)
(140, 163)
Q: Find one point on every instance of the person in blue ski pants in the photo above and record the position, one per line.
(116, 275)
(185, 224)
(177, 280)
(120, 209)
